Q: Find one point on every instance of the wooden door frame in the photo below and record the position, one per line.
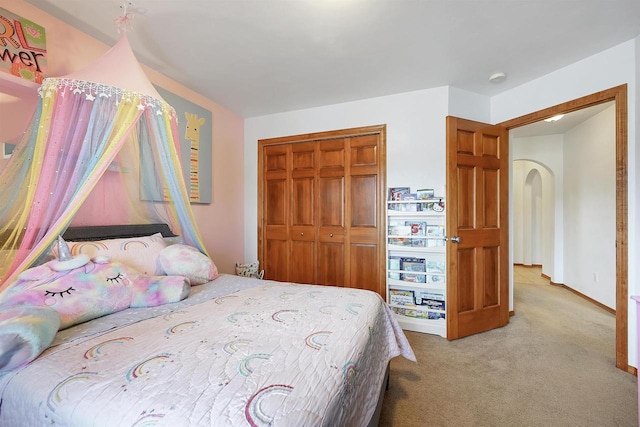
(381, 207)
(617, 94)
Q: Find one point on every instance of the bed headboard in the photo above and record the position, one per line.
(101, 232)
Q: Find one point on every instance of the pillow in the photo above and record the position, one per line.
(173, 240)
(140, 253)
(187, 261)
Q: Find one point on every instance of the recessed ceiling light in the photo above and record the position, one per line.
(497, 77)
(554, 118)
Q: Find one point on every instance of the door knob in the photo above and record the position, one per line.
(456, 239)
(331, 235)
(302, 234)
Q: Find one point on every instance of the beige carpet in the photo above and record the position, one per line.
(552, 365)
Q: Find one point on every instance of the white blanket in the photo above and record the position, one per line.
(275, 354)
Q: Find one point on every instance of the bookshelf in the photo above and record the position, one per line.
(416, 264)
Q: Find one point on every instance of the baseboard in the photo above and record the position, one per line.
(562, 285)
(583, 296)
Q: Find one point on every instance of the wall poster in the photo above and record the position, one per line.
(23, 47)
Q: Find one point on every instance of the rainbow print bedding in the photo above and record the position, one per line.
(237, 352)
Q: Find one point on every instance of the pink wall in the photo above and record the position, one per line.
(221, 222)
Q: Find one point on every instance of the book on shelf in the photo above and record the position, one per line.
(434, 230)
(435, 243)
(425, 193)
(399, 241)
(418, 314)
(435, 278)
(394, 267)
(413, 264)
(397, 193)
(419, 243)
(400, 230)
(412, 277)
(435, 206)
(401, 297)
(417, 228)
(431, 295)
(434, 304)
(436, 266)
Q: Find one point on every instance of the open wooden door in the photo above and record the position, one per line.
(477, 227)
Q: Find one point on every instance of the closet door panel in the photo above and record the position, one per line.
(302, 201)
(302, 224)
(331, 212)
(364, 151)
(276, 266)
(331, 202)
(363, 217)
(363, 274)
(302, 261)
(275, 252)
(332, 155)
(331, 263)
(276, 202)
(363, 198)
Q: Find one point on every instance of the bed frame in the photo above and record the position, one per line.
(101, 232)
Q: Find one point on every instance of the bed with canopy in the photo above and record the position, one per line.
(234, 351)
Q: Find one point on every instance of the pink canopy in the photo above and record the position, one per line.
(104, 122)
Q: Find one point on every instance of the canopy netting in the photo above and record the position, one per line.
(87, 140)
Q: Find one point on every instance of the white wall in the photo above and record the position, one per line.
(589, 214)
(545, 155)
(415, 141)
(532, 228)
(469, 105)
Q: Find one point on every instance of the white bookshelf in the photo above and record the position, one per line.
(416, 265)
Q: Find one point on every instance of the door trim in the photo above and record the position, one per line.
(617, 94)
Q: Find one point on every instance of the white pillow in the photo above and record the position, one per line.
(140, 253)
(187, 261)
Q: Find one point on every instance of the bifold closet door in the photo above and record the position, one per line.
(363, 216)
(302, 232)
(330, 212)
(275, 210)
(321, 208)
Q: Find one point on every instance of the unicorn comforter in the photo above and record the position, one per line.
(236, 352)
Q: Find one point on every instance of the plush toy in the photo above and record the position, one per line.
(71, 290)
(250, 270)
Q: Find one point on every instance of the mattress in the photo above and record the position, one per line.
(237, 351)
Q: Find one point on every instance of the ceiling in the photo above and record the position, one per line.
(258, 57)
(568, 122)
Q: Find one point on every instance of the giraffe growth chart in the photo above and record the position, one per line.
(192, 134)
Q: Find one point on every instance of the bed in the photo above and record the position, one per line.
(238, 351)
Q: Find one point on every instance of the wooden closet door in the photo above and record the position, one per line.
(275, 259)
(330, 212)
(363, 215)
(302, 235)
